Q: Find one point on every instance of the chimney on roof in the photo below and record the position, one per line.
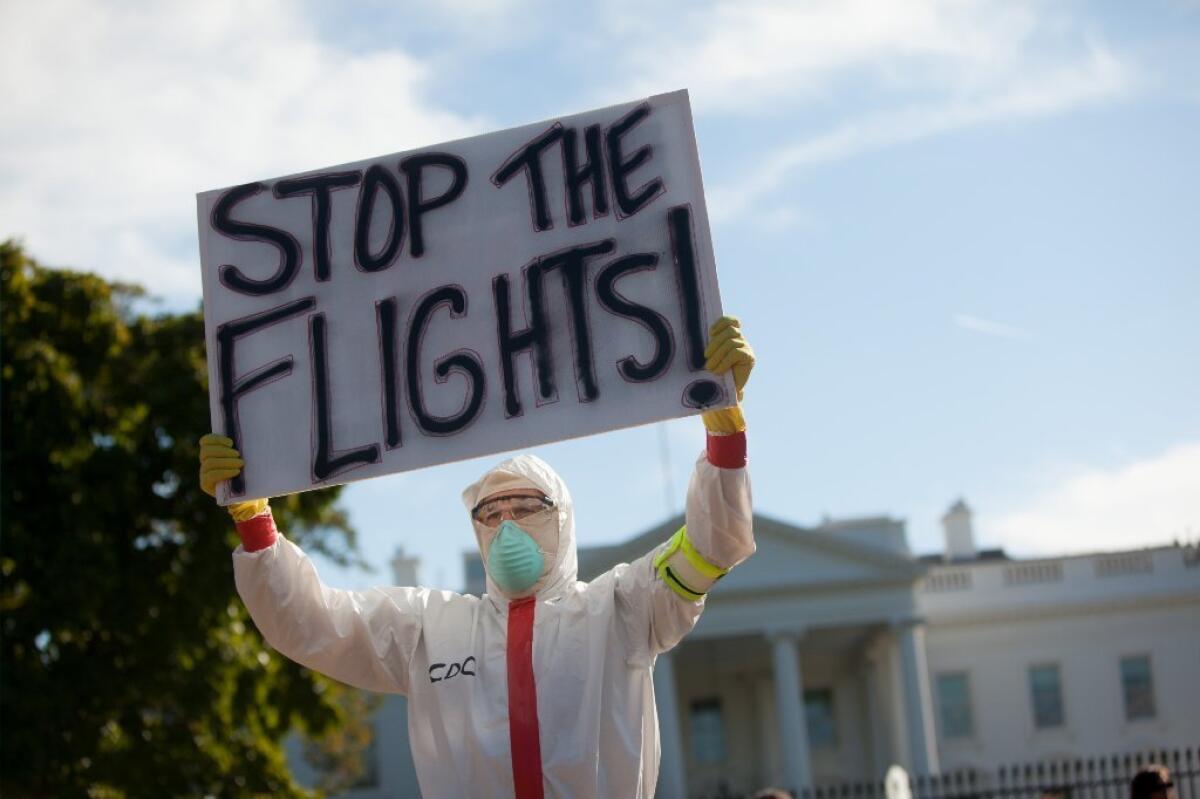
(960, 537)
(404, 568)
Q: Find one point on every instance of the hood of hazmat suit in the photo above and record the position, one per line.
(546, 695)
(561, 567)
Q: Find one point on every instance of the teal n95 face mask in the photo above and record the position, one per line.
(515, 562)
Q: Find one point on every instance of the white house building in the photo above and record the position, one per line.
(834, 653)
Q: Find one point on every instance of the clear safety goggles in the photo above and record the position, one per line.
(493, 511)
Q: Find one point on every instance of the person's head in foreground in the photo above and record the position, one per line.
(1152, 782)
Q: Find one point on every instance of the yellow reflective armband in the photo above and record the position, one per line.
(684, 570)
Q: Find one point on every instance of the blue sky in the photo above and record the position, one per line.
(963, 236)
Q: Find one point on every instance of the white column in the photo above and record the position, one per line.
(672, 781)
(873, 717)
(789, 704)
(918, 702)
(768, 733)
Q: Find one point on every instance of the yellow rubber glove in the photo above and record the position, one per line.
(220, 461)
(728, 350)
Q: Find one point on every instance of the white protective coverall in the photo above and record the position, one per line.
(593, 651)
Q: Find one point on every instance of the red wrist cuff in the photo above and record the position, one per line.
(257, 533)
(728, 451)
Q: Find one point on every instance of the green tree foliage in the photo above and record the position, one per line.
(130, 667)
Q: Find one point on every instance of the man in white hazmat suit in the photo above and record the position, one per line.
(544, 685)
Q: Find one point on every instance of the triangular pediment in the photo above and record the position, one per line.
(787, 557)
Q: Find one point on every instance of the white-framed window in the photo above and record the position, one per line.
(820, 719)
(1045, 692)
(708, 731)
(1137, 687)
(954, 705)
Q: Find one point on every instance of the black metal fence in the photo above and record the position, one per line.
(1084, 778)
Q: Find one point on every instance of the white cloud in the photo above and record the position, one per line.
(1100, 76)
(117, 114)
(912, 68)
(739, 56)
(784, 218)
(989, 327)
(1147, 502)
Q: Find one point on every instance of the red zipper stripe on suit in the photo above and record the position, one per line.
(522, 702)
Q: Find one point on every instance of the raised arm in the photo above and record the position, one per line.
(665, 589)
(362, 638)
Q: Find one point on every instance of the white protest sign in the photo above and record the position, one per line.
(503, 291)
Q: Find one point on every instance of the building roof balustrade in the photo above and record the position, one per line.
(1123, 563)
(998, 587)
(1034, 572)
(942, 581)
